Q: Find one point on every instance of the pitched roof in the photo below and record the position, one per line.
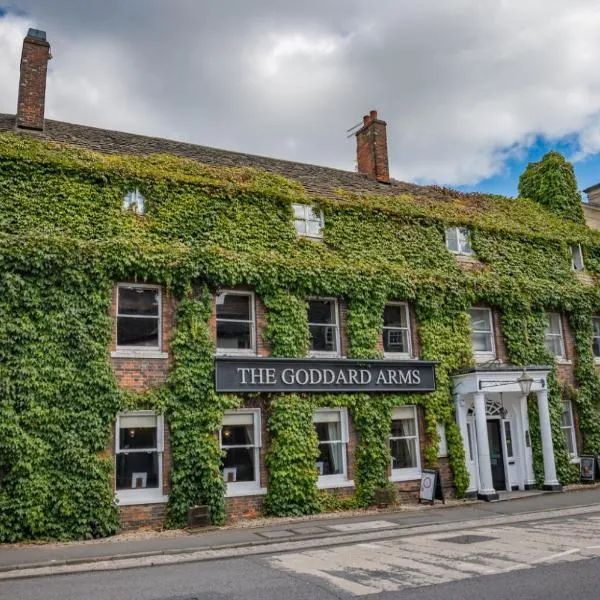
(316, 180)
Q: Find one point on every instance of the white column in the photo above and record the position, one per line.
(529, 476)
(461, 418)
(486, 486)
(550, 480)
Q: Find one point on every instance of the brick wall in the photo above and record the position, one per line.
(142, 515)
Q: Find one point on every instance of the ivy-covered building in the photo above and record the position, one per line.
(182, 325)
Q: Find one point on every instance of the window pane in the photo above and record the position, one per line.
(596, 346)
(553, 345)
(300, 226)
(136, 438)
(395, 340)
(469, 434)
(237, 435)
(482, 342)
(323, 339)
(321, 311)
(403, 428)
(480, 319)
(137, 470)
(596, 327)
(553, 325)
(133, 331)
(239, 464)
(394, 316)
(464, 238)
(299, 211)
(330, 461)
(566, 415)
(508, 437)
(138, 301)
(313, 228)
(329, 432)
(234, 306)
(452, 239)
(234, 336)
(404, 454)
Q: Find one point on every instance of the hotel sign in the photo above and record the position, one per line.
(254, 374)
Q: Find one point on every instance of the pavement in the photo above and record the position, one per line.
(26, 560)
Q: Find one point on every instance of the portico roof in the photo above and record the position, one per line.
(494, 378)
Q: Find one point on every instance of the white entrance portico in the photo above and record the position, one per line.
(491, 411)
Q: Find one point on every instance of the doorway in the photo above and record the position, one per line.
(496, 454)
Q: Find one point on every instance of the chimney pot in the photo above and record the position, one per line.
(32, 82)
(371, 148)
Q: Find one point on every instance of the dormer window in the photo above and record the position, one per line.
(135, 202)
(308, 221)
(458, 240)
(576, 258)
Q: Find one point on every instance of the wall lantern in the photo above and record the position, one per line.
(525, 382)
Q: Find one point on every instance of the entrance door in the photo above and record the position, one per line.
(496, 455)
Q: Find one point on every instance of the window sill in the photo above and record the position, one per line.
(481, 358)
(324, 355)
(575, 460)
(597, 361)
(563, 361)
(139, 354)
(131, 499)
(226, 352)
(398, 356)
(326, 482)
(235, 492)
(408, 475)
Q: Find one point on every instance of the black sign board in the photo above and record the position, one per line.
(587, 466)
(431, 486)
(254, 374)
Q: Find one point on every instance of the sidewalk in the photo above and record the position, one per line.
(325, 529)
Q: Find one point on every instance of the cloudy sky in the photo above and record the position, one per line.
(471, 89)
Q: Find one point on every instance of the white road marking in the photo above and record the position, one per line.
(431, 558)
(364, 526)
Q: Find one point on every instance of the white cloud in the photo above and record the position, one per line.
(463, 84)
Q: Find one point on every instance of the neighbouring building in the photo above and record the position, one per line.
(282, 336)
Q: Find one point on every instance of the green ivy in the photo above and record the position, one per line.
(65, 240)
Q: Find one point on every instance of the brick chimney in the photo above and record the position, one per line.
(371, 148)
(32, 83)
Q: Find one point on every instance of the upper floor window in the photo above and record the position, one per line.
(482, 332)
(135, 202)
(568, 427)
(139, 450)
(138, 317)
(576, 258)
(396, 329)
(331, 426)
(240, 439)
(458, 240)
(596, 337)
(235, 322)
(323, 326)
(554, 335)
(404, 443)
(308, 221)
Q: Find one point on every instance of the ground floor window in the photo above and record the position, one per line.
(568, 428)
(241, 441)
(331, 426)
(404, 443)
(139, 450)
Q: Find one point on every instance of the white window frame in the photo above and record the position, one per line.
(336, 325)
(140, 351)
(310, 214)
(463, 240)
(596, 357)
(142, 495)
(478, 355)
(232, 351)
(245, 488)
(135, 202)
(406, 474)
(333, 481)
(560, 335)
(407, 329)
(577, 258)
(569, 430)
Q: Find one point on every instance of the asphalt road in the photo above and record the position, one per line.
(544, 559)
